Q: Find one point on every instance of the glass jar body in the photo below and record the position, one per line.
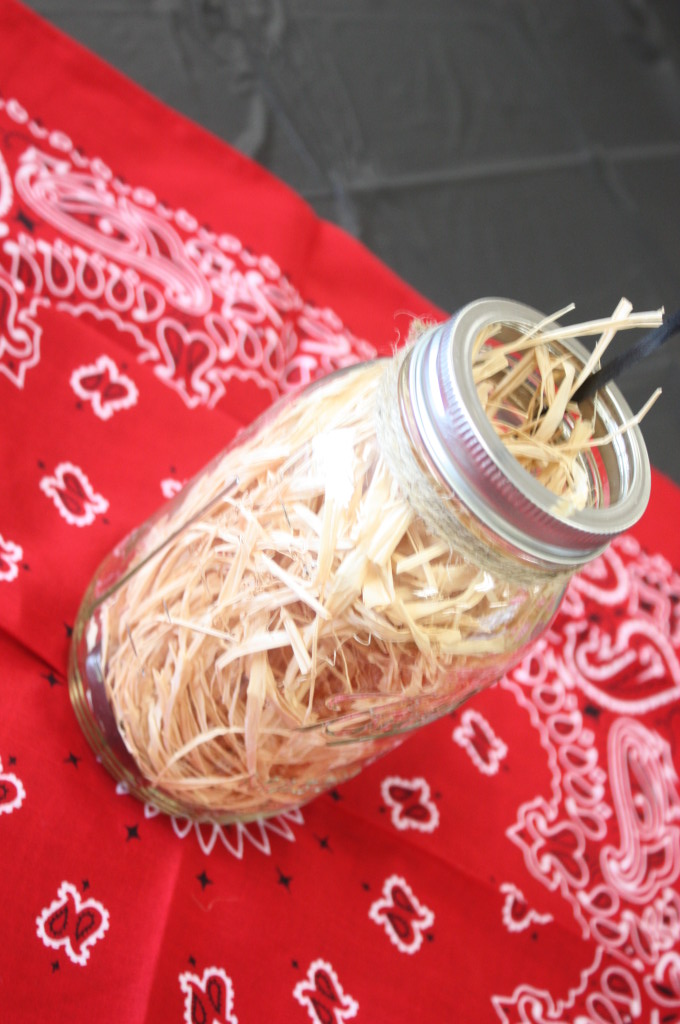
(286, 618)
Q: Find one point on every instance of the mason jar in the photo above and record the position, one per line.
(361, 560)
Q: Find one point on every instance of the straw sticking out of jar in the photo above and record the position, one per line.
(531, 420)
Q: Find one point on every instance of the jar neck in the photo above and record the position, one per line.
(435, 502)
(442, 415)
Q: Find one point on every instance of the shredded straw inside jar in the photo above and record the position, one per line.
(531, 421)
(295, 597)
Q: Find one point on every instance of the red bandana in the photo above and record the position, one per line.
(516, 862)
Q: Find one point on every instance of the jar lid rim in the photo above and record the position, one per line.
(471, 459)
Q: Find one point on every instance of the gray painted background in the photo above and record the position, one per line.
(479, 147)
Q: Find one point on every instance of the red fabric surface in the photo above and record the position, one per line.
(517, 861)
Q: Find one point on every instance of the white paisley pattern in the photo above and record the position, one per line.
(234, 837)
(410, 803)
(10, 557)
(517, 914)
(600, 840)
(322, 995)
(6, 195)
(73, 495)
(198, 305)
(12, 792)
(475, 735)
(72, 923)
(103, 385)
(20, 332)
(208, 998)
(400, 913)
(606, 837)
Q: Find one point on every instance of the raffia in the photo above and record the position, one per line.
(280, 639)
